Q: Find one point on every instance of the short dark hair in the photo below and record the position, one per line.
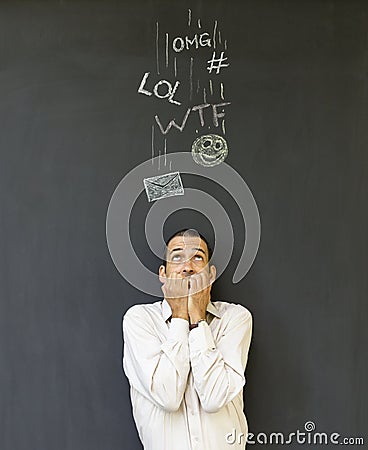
(187, 232)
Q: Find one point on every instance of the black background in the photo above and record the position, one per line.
(73, 124)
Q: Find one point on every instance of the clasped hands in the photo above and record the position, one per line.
(188, 297)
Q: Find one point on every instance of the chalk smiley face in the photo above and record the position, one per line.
(209, 150)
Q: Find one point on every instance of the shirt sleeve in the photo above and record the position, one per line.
(218, 367)
(158, 370)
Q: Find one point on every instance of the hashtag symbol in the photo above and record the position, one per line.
(216, 63)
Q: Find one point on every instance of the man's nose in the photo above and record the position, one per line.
(188, 267)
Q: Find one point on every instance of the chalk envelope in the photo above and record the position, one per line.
(162, 186)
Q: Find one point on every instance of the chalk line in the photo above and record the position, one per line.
(152, 142)
(214, 34)
(167, 49)
(191, 78)
(157, 61)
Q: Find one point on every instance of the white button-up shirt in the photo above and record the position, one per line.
(187, 386)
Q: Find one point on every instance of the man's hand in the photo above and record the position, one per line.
(175, 290)
(199, 295)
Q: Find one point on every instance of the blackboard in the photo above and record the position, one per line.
(73, 124)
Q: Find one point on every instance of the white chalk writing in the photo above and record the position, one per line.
(168, 92)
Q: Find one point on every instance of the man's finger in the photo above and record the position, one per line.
(205, 276)
(200, 283)
(193, 285)
(184, 284)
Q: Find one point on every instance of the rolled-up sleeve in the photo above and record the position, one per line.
(157, 369)
(218, 367)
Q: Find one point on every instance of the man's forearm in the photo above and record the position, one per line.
(218, 367)
(159, 370)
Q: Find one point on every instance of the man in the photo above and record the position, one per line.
(185, 356)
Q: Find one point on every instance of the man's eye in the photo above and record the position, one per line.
(199, 257)
(176, 258)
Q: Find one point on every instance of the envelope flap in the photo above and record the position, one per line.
(164, 180)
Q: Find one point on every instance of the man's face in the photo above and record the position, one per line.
(185, 255)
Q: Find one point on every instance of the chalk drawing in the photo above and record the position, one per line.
(162, 186)
(172, 123)
(214, 34)
(152, 142)
(200, 109)
(141, 89)
(167, 50)
(202, 40)
(218, 115)
(191, 79)
(209, 150)
(165, 150)
(211, 87)
(169, 89)
(157, 59)
(217, 63)
(210, 115)
(181, 44)
(170, 92)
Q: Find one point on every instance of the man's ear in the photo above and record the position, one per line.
(212, 274)
(162, 274)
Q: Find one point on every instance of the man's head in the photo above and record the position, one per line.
(187, 252)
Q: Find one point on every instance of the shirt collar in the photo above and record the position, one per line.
(166, 310)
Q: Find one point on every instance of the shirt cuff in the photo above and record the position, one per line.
(201, 339)
(179, 330)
